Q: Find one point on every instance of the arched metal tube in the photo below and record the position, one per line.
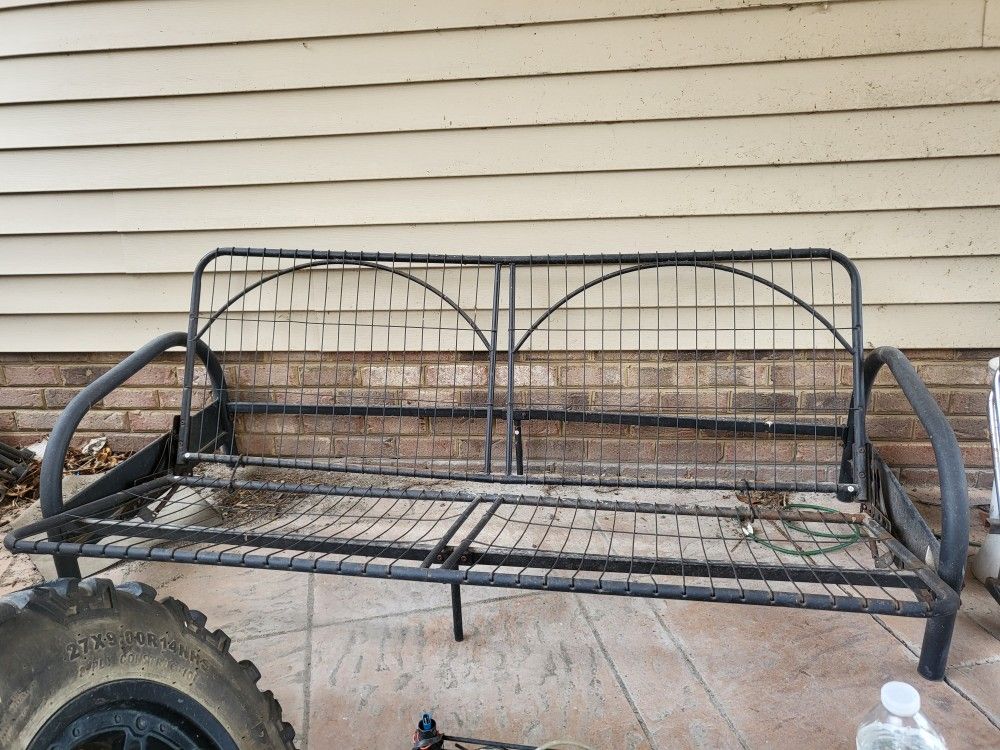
(685, 263)
(50, 479)
(344, 261)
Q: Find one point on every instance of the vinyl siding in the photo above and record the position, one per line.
(137, 135)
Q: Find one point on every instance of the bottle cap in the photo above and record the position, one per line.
(900, 699)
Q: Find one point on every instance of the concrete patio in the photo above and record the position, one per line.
(355, 661)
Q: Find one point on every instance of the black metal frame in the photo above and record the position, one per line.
(109, 510)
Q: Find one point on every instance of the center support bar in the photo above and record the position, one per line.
(768, 427)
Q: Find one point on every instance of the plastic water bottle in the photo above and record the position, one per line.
(897, 724)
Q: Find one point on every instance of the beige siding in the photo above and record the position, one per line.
(122, 25)
(673, 41)
(862, 83)
(135, 135)
(891, 134)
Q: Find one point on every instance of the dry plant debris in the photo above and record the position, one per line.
(771, 499)
(17, 493)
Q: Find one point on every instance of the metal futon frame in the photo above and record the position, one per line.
(666, 425)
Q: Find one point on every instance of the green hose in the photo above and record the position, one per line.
(843, 540)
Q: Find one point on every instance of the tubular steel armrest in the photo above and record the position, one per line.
(951, 468)
(50, 481)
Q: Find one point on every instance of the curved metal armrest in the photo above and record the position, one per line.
(50, 481)
(951, 468)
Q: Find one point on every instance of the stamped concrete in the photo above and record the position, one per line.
(354, 661)
(245, 603)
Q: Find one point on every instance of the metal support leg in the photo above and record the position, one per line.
(456, 611)
(518, 448)
(934, 650)
(67, 566)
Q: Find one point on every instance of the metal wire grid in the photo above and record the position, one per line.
(612, 546)
(653, 370)
(688, 375)
(366, 364)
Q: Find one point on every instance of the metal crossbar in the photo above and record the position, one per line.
(730, 370)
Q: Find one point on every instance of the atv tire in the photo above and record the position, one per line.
(86, 665)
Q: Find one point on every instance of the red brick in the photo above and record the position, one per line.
(891, 428)
(21, 397)
(900, 455)
(367, 445)
(57, 398)
(977, 455)
(559, 449)
(124, 442)
(391, 376)
(922, 454)
(537, 376)
(150, 421)
(763, 402)
(970, 428)
(687, 402)
(829, 402)
(894, 402)
(334, 373)
(330, 425)
(968, 402)
(456, 375)
(822, 375)
(419, 447)
(918, 477)
(270, 424)
(980, 478)
(821, 452)
(92, 420)
(974, 355)
(170, 398)
(19, 438)
(966, 373)
(255, 444)
(764, 451)
(930, 355)
(712, 375)
(599, 375)
(651, 376)
(395, 425)
(30, 375)
(81, 375)
(156, 374)
(630, 401)
(131, 398)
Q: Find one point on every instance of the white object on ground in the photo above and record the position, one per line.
(986, 562)
(94, 445)
(39, 448)
(897, 724)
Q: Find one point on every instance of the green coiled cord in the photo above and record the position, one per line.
(843, 540)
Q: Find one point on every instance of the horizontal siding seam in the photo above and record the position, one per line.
(487, 175)
(180, 311)
(520, 76)
(784, 6)
(244, 228)
(499, 126)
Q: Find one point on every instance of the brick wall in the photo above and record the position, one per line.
(36, 387)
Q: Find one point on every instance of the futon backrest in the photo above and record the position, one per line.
(720, 369)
